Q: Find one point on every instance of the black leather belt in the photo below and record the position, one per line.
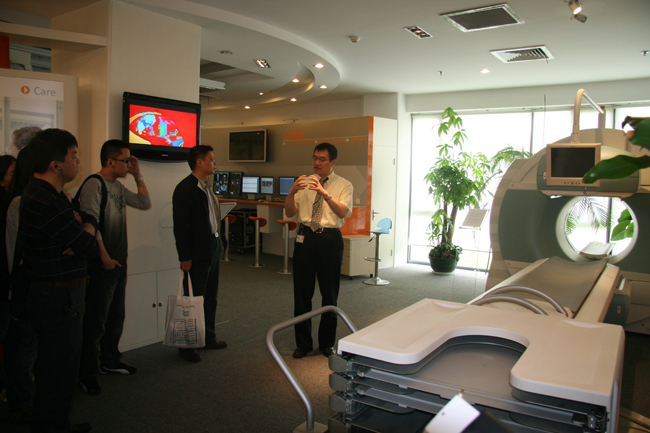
(321, 229)
(70, 283)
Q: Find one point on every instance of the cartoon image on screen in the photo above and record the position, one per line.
(161, 127)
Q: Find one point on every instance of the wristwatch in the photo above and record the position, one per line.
(328, 198)
(139, 178)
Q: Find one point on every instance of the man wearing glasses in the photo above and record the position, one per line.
(104, 317)
(319, 202)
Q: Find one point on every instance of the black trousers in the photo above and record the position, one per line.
(319, 256)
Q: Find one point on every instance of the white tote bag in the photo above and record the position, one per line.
(185, 319)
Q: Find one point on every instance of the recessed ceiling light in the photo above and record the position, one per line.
(293, 99)
(262, 63)
(295, 80)
(417, 31)
(225, 52)
(485, 71)
(247, 107)
(323, 86)
(261, 93)
(319, 66)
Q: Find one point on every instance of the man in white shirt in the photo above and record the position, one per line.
(319, 202)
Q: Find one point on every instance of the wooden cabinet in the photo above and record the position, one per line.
(356, 248)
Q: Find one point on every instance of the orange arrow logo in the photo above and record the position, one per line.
(24, 89)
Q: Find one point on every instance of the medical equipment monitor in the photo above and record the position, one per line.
(159, 128)
(220, 186)
(250, 185)
(567, 163)
(285, 184)
(247, 146)
(266, 185)
(235, 184)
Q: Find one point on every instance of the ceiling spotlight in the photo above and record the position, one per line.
(247, 107)
(293, 99)
(354, 39)
(417, 31)
(295, 80)
(262, 63)
(323, 86)
(319, 66)
(485, 71)
(575, 6)
(580, 18)
(261, 93)
(225, 52)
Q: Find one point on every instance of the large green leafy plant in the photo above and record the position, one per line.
(456, 181)
(623, 166)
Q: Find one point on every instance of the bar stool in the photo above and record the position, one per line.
(288, 226)
(383, 228)
(259, 222)
(229, 219)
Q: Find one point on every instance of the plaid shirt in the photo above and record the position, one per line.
(47, 228)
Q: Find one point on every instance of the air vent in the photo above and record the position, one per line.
(488, 17)
(523, 54)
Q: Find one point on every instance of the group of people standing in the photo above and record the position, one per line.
(65, 263)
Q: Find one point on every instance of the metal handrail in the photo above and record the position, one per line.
(283, 366)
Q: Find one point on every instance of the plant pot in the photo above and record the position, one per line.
(443, 265)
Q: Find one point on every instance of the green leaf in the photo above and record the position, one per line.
(619, 167)
(641, 127)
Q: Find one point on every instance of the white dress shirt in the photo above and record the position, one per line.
(339, 188)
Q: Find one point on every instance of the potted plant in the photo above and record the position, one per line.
(456, 181)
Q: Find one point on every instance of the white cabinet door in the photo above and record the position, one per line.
(141, 322)
(167, 285)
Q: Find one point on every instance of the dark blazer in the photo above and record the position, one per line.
(192, 222)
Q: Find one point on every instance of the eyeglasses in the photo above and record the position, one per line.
(126, 161)
(322, 159)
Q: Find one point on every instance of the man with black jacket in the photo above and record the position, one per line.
(197, 224)
(56, 243)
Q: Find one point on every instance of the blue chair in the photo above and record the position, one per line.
(383, 228)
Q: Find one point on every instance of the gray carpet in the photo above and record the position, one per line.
(241, 389)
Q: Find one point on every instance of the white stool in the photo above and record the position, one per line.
(383, 228)
(288, 226)
(259, 222)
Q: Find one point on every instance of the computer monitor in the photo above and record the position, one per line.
(220, 186)
(285, 184)
(250, 185)
(234, 183)
(266, 185)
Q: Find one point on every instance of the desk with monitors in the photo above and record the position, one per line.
(236, 184)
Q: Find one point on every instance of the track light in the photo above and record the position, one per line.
(581, 18)
(575, 7)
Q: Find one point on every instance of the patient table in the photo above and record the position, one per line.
(558, 370)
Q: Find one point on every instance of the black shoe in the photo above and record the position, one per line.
(300, 353)
(190, 355)
(90, 386)
(215, 345)
(120, 368)
(328, 351)
(84, 427)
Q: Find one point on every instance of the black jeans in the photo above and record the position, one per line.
(55, 313)
(103, 320)
(319, 257)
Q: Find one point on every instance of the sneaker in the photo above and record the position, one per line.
(90, 386)
(121, 368)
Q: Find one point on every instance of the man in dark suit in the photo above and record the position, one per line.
(196, 229)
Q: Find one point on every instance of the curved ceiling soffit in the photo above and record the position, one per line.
(304, 53)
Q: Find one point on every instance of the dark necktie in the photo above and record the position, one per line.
(317, 212)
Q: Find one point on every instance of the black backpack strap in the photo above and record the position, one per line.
(102, 205)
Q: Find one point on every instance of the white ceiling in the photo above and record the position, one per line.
(293, 35)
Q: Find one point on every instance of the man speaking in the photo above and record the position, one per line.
(320, 201)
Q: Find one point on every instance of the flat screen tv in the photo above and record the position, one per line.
(266, 185)
(250, 185)
(235, 184)
(247, 146)
(159, 128)
(285, 184)
(220, 186)
(567, 163)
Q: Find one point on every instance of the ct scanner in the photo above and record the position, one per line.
(559, 370)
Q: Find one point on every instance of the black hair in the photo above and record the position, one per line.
(112, 149)
(331, 150)
(196, 152)
(5, 163)
(50, 145)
